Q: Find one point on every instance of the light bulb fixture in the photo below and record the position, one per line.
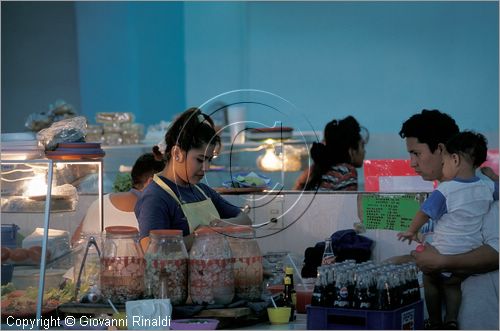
(270, 161)
(37, 186)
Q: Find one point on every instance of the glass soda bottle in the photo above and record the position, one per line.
(328, 255)
(288, 296)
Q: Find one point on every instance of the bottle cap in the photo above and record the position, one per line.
(289, 270)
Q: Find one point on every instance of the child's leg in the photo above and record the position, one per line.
(433, 299)
(453, 298)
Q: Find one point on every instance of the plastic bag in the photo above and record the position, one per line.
(114, 118)
(38, 121)
(60, 110)
(66, 131)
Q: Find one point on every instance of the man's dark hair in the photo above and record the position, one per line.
(470, 145)
(430, 127)
(145, 167)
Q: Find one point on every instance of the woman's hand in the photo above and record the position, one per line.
(218, 223)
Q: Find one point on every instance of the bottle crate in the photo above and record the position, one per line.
(410, 317)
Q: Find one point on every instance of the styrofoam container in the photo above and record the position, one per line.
(57, 242)
(24, 277)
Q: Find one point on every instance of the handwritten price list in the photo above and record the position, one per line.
(389, 212)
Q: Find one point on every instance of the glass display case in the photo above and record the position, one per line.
(282, 161)
(42, 200)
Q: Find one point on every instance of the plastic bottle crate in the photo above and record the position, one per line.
(9, 235)
(410, 317)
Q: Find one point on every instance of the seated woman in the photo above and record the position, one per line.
(176, 199)
(336, 159)
(118, 208)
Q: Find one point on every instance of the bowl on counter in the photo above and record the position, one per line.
(280, 315)
(194, 324)
(24, 277)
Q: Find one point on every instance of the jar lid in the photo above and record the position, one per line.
(120, 229)
(237, 229)
(209, 230)
(165, 232)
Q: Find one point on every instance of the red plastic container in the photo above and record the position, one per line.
(304, 295)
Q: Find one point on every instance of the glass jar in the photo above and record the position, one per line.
(166, 266)
(248, 271)
(211, 277)
(122, 265)
(87, 266)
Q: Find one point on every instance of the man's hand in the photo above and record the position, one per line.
(429, 260)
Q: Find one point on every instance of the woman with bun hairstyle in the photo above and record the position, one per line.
(176, 199)
(336, 158)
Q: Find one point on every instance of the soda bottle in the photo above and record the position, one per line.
(317, 296)
(383, 294)
(329, 292)
(287, 296)
(361, 293)
(289, 273)
(328, 255)
(341, 290)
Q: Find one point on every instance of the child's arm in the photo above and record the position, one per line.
(411, 234)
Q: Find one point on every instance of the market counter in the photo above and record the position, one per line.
(300, 323)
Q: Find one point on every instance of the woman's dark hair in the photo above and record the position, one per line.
(144, 168)
(470, 145)
(192, 129)
(430, 127)
(339, 137)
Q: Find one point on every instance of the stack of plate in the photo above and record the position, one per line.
(20, 146)
(76, 151)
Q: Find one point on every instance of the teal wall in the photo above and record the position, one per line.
(131, 58)
(39, 59)
(379, 61)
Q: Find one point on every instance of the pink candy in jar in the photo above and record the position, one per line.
(211, 276)
(122, 265)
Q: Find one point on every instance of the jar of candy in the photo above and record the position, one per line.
(248, 271)
(211, 277)
(122, 265)
(166, 266)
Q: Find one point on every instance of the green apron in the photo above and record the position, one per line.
(197, 213)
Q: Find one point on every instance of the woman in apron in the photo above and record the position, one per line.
(176, 199)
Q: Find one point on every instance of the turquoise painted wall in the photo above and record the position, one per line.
(131, 58)
(379, 61)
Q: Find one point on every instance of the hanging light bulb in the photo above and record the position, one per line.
(270, 161)
(37, 186)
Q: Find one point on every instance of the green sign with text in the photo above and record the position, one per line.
(389, 212)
